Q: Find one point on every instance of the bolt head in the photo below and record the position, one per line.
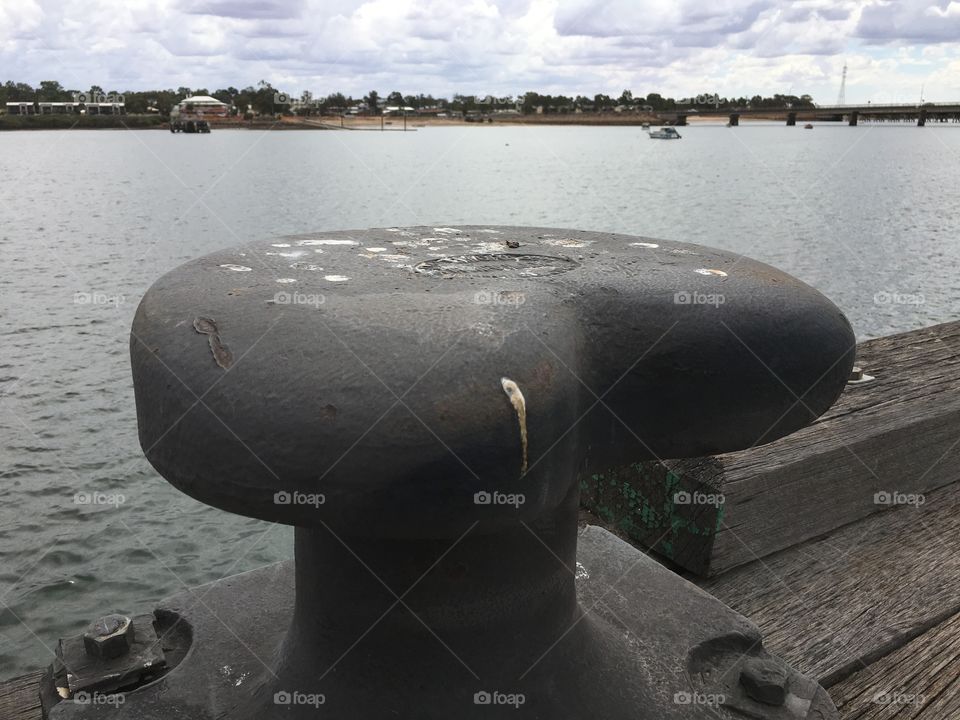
(109, 637)
(764, 680)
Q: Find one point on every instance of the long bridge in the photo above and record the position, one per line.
(851, 114)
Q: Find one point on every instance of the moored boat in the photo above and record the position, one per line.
(666, 133)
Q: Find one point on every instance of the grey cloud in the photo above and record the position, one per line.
(912, 21)
(722, 19)
(273, 29)
(613, 18)
(244, 9)
(800, 13)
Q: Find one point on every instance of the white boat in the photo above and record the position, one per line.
(667, 133)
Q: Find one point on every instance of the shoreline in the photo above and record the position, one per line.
(370, 123)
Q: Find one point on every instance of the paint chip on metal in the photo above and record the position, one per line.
(327, 242)
(520, 405)
(221, 353)
(565, 242)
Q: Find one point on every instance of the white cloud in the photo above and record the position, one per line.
(680, 47)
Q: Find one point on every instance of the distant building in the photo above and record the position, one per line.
(358, 109)
(58, 108)
(105, 108)
(21, 108)
(202, 105)
(64, 108)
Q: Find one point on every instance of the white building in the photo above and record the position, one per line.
(201, 105)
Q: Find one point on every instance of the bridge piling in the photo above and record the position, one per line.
(854, 118)
(791, 119)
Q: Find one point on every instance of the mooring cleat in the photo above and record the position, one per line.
(419, 403)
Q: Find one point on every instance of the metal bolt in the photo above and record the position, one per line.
(857, 375)
(109, 637)
(765, 681)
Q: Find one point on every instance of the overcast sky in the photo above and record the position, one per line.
(501, 47)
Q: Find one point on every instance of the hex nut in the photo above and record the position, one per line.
(109, 637)
(765, 681)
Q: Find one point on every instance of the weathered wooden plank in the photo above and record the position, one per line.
(920, 681)
(20, 698)
(833, 605)
(899, 433)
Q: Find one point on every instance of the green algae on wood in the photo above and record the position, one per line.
(641, 501)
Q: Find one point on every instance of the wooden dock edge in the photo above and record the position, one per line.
(839, 605)
(20, 697)
(891, 437)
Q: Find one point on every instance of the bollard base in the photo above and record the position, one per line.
(691, 656)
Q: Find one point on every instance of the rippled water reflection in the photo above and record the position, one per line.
(868, 215)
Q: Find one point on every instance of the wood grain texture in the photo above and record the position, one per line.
(20, 698)
(899, 433)
(833, 605)
(920, 681)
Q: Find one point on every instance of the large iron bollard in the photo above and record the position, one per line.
(419, 403)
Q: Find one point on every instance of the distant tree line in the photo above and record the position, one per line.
(264, 99)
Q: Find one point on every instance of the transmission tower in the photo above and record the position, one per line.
(842, 97)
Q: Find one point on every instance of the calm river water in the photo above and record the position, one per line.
(868, 215)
